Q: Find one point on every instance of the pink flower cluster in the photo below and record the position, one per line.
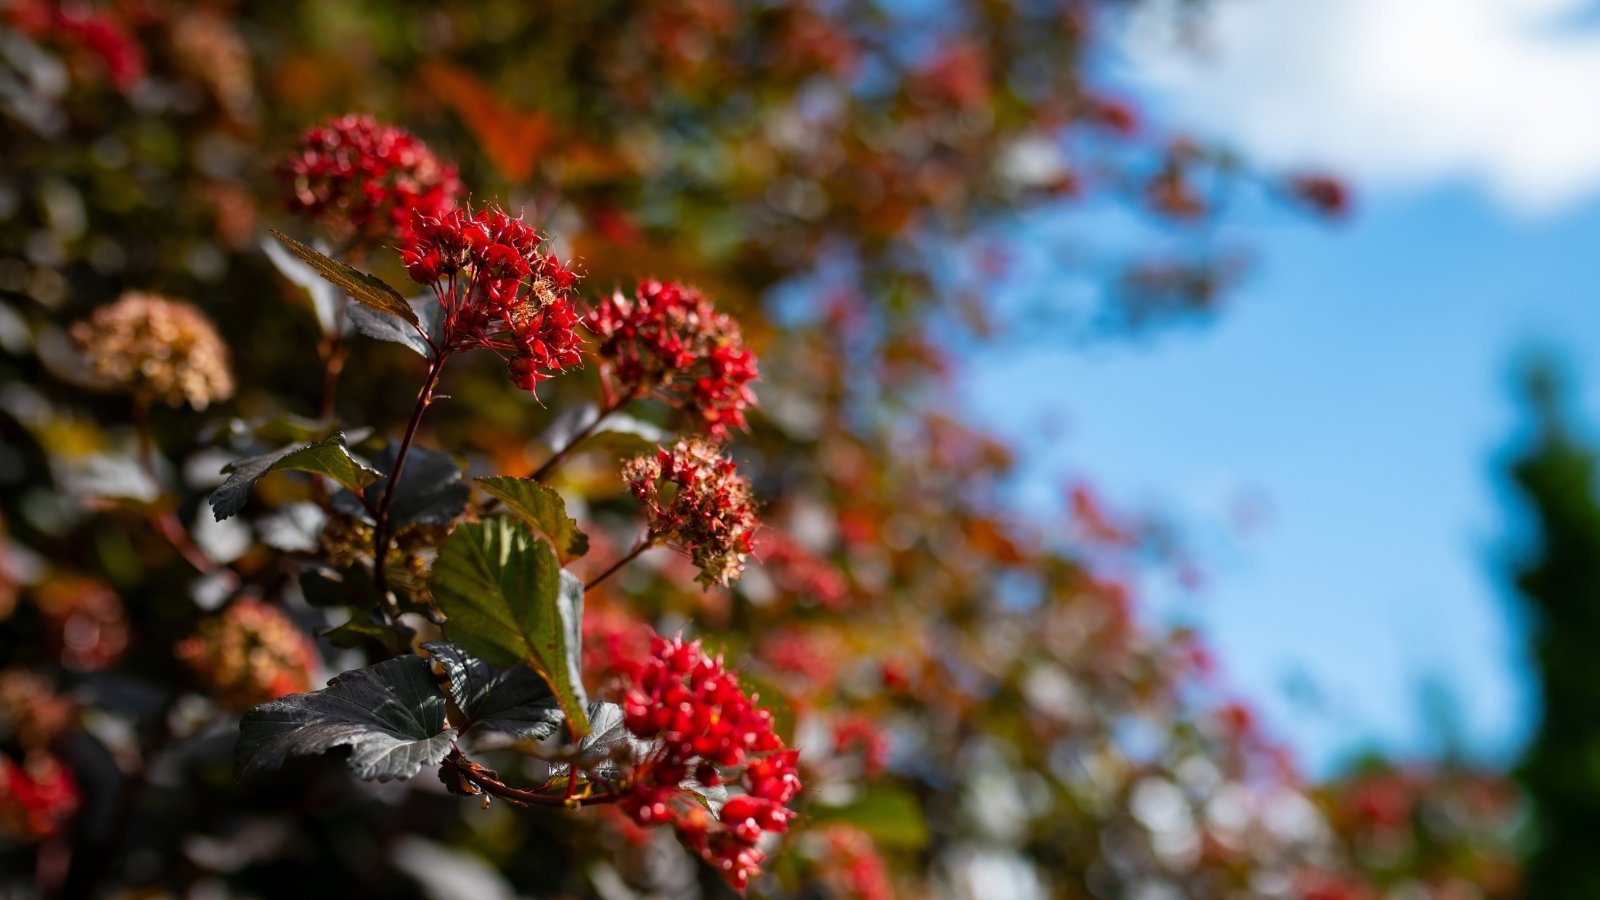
(669, 339)
(708, 730)
(366, 180)
(696, 500)
(498, 290)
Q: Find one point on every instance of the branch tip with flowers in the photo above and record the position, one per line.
(681, 732)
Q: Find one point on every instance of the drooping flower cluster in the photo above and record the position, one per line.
(251, 654)
(367, 180)
(37, 797)
(855, 732)
(498, 290)
(695, 499)
(161, 348)
(85, 621)
(670, 340)
(709, 731)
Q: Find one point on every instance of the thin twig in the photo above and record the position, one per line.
(165, 521)
(334, 354)
(645, 543)
(489, 783)
(380, 531)
(541, 473)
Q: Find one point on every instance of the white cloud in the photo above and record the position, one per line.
(1502, 93)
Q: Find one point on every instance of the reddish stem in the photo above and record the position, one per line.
(644, 544)
(583, 434)
(380, 531)
(487, 782)
(165, 521)
(334, 354)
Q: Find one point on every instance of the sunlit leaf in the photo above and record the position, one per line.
(368, 290)
(515, 702)
(391, 716)
(542, 508)
(509, 601)
(329, 457)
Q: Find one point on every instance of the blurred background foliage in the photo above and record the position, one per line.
(983, 710)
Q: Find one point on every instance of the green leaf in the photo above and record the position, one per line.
(391, 716)
(508, 601)
(430, 490)
(366, 627)
(514, 702)
(542, 508)
(891, 816)
(329, 457)
(365, 289)
(288, 428)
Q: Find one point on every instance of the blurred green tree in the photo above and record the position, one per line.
(1561, 585)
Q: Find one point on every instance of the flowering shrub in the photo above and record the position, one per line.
(685, 731)
(888, 685)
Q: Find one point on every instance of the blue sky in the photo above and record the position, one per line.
(1360, 384)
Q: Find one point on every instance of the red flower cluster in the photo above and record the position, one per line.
(853, 866)
(1114, 115)
(669, 339)
(36, 797)
(85, 621)
(854, 731)
(249, 655)
(367, 179)
(708, 512)
(83, 29)
(498, 291)
(612, 639)
(801, 573)
(707, 729)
